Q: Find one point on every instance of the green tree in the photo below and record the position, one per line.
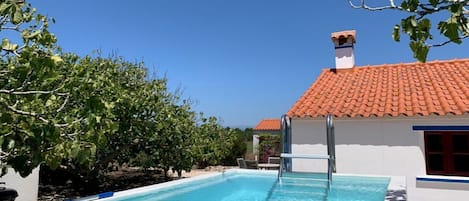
(32, 92)
(238, 148)
(212, 142)
(81, 114)
(454, 27)
(127, 118)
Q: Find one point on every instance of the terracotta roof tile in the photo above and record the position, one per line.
(268, 125)
(337, 35)
(408, 89)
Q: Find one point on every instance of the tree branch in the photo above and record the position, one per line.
(425, 9)
(69, 124)
(67, 97)
(446, 42)
(71, 135)
(33, 114)
(4, 155)
(13, 92)
(363, 5)
(15, 28)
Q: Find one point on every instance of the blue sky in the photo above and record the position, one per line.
(239, 60)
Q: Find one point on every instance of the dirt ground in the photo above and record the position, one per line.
(119, 180)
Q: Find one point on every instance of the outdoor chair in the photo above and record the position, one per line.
(274, 160)
(241, 163)
(251, 164)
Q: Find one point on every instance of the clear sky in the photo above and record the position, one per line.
(239, 60)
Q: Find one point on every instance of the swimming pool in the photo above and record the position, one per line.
(262, 186)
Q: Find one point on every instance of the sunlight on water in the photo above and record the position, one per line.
(251, 187)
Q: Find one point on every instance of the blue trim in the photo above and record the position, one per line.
(345, 46)
(93, 197)
(105, 194)
(440, 128)
(443, 180)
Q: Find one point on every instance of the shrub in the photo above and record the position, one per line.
(269, 145)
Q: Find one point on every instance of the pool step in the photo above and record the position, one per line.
(314, 183)
(306, 187)
(297, 196)
(304, 175)
(300, 190)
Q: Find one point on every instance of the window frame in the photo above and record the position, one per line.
(447, 153)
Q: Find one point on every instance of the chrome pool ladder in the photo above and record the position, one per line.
(286, 156)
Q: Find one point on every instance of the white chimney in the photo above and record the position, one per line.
(343, 44)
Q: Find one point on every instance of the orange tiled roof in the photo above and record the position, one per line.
(268, 125)
(410, 89)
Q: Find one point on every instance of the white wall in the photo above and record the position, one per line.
(255, 144)
(27, 188)
(344, 58)
(384, 146)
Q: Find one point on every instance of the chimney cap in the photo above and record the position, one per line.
(346, 34)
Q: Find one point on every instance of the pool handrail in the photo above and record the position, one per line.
(286, 149)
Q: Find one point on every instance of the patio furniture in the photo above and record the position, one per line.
(268, 166)
(247, 164)
(251, 164)
(241, 163)
(273, 160)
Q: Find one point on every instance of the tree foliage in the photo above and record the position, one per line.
(128, 118)
(239, 148)
(81, 114)
(418, 25)
(32, 95)
(215, 144)
(212, 143)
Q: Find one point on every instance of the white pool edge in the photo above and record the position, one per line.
(144, 189)
(396, 183)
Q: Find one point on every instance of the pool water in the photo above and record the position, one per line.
(265, 187)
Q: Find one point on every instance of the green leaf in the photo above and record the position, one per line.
(420, 50)
(93, 149)
(57, 59)
(404, 5)
(4, 6)
(396, 33)
(410, 5)
(456, 8)
(413, 22)
(98, 119)
(11, 144)
(425, 24)
(49, 102)
(450, 30)
(17, 16)
(108, 105)
(74, 150)
(6, 45)
(52, 161)
(434, 2)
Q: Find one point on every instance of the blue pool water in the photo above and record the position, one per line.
(265, 187)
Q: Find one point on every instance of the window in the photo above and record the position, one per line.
(447, 152)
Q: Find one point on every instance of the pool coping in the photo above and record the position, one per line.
(396, 183)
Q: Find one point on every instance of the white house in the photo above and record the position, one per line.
(406, 119)
(265, 126)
